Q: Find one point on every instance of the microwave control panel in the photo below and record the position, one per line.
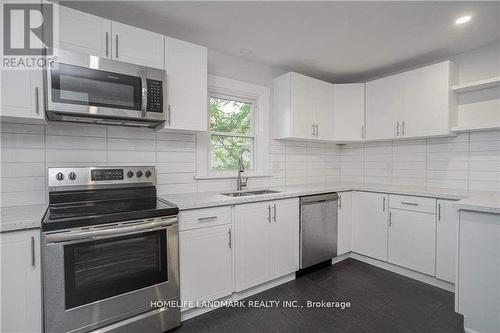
(155, 96)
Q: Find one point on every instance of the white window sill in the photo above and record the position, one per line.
(231, 177)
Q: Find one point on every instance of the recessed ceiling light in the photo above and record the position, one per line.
(463, 19)
(245, 51)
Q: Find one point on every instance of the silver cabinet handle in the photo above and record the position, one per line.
(274, 212)
(383, 205)
(390, 219)
(37, 101)
(269, 213)
(403, 128)
(107, 44)
(317, 129)
(33, 251)
(409, 203)
(168, 114)
(439, 212)
(230, 241)
(116, 45)
(313, 132)
(208, 218)
(340, 201)
(397, 129)
(362, 131)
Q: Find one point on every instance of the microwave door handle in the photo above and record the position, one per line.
(144, 93)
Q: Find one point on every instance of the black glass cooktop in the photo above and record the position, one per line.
(90, 207)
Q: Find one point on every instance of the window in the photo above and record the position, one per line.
(238, 125)
(231, 133)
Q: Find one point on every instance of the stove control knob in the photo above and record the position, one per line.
(139, 173)
(130, 174)
(59, 176)
(148, 173)
(72, 175)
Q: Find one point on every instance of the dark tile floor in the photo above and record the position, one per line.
(381, 301)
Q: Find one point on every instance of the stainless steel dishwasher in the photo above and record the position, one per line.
(318, 228)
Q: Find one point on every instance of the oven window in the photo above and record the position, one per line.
(104, 268)
(84, 86)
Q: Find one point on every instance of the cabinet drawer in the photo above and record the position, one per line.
(416, 204)
(206, 217)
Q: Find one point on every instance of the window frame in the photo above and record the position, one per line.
(246, 92)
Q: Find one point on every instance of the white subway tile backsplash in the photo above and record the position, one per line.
(73, 129)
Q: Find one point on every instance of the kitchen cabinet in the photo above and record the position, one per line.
(22, 96)
(369, 224)
(88, 34)
(416, 103)
(412, 237)
(446, 240)
(344, 223)
(186, 66)
(205, 263)
(302, 108)
(266, 241)
(21, 285)
(349, 112)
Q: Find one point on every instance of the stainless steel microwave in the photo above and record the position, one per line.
(91, 89)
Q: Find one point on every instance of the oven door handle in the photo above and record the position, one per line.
(106, 233)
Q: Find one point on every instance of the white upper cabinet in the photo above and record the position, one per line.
(416, 103)
(80, 32)
(302, 108)
(88, 34)
(349, 112)
(22, 96)
(186, 66)
(137, 46)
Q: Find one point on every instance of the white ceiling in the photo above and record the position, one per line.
(335, 41)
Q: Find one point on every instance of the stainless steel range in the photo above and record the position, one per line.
(110, 248)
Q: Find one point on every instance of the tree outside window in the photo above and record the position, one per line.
(231, 126)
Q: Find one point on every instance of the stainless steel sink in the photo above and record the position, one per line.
(247, 193)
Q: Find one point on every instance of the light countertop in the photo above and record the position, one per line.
(21, 217)
(486, 203)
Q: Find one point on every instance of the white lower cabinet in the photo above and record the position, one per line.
(205, 254)
(21, 285)
(266, 241)
(369, 224)
(412, 237)
(446, 240)
(344, 232)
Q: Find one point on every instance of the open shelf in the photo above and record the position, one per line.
(477, 85)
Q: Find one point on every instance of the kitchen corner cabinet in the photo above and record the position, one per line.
(302, 108)
(416, 103)
(344, 223)
(22, 96)
(446, 240)
(370, 217)
(349, 112)
(21, 285)
(266, 241)
(84, 33)
(186, 66)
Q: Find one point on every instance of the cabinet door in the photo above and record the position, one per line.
(205, 263)
(344, 223)
(302, 106)
(22, 99)
(426, 97)
(84, 33)
(252, 244)
(137, 46)
(369, 224)
(284, 238)
(383, 102)
(349, 112)
(186, 66)
(412, 240)
(322, 99)
(21, 301)
(446, 240)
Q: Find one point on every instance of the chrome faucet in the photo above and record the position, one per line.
(240, 182)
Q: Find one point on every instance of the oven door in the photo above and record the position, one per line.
(86, 85)
(102, 275)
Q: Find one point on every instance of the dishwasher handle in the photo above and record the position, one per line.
(319, 198)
